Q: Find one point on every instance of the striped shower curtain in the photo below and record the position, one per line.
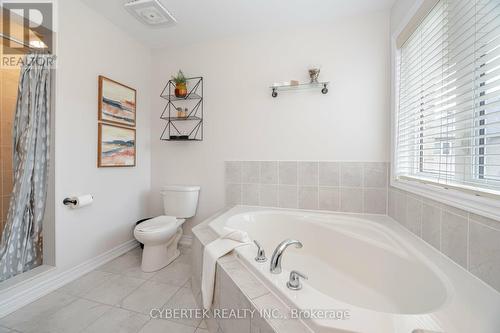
(21, 243)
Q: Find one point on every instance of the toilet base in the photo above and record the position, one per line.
(155, 257)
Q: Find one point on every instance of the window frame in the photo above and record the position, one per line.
(478, 202)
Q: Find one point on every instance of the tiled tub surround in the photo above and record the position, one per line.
(355, 187)
(470, 240)
(468, 305)
(236, 288)
(362, 187)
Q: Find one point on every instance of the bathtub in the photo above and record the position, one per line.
(367, 267)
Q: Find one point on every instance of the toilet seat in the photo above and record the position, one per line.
(158, 224)
(157, 230)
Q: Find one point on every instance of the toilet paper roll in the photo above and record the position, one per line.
(82, 200)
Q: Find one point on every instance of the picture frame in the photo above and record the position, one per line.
(117, 103)
(116, 146)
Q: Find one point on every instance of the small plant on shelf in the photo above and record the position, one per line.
(180, 84)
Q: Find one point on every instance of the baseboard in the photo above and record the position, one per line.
(186, 240)
(26, 292)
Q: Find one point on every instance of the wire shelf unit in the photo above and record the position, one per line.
(190, 127)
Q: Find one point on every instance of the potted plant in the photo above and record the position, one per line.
(180, 84)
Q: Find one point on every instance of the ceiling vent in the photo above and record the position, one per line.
(151, 13)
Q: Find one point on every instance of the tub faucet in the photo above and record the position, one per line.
(278, 254)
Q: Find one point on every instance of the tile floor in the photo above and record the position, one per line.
(116, 297)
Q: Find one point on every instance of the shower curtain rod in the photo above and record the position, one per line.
(15, 40)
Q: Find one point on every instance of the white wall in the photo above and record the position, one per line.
(400, 11)
(243, 121)
(89, 45)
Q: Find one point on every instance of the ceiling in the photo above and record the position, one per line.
(199, 20)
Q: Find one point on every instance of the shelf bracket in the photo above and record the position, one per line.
(325, 89)
(274, 93)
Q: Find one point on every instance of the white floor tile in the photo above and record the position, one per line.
(114, 290)
(165, 326)
(177, 273)
(201, 330)
(40, 308)
(88, 282)
(72, 318)
(184, 299)
(184, 258)
(149, 295)
(128, 264)
(118, 321)
(185, 249)
(91, 303)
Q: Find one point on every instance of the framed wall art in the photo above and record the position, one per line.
(116, 146)
(117, 102)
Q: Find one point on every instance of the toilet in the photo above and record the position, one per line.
(161, 235)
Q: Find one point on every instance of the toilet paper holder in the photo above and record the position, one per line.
(70, 202)
(78, 201)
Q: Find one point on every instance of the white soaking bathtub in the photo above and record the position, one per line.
(386, 278)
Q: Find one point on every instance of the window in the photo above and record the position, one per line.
(448, 109)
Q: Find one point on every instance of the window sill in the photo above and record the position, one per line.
(484, 206)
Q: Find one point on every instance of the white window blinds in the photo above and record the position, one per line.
(448, 110)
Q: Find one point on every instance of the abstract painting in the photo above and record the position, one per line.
(116, 146)
(116, 102)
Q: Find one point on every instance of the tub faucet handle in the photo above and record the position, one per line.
(294, 282)
(261, 254)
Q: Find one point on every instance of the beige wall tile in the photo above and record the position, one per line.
(391, 209)
(6, 158)
(7, 183)
(414, 215)
(431, 225)
(351, 200)
(454, 237)
(486, 221)
(375, 201)
(351, 174)
(6, 133)
(375, 175)
(308, 197)
(250, 172)
(268, 195)
(269, 172)
(329, 174)
(233, 194)
(250, 194)
(329, 198)
(401, 207)
(287, 196)
(230, 297)
(233, 172)
(287, 173)
(484, 250)
(308, 173)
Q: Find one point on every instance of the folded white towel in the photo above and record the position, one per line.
(213, 251)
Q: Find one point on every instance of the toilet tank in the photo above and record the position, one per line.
(180, 200)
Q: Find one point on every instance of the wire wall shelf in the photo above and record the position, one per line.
(188, 127)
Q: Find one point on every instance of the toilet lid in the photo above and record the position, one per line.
(158, 223)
